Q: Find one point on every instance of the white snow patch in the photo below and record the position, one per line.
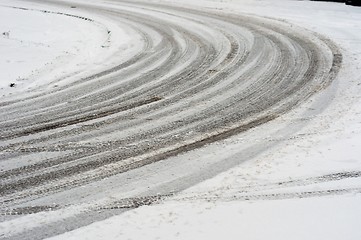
(47, 49)
(325, 218)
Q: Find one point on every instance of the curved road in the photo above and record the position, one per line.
(200, 77)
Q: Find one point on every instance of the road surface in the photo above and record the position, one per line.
(200, 76)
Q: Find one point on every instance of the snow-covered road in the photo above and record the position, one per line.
(147, 99)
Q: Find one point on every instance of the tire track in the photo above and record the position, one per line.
(201, 77)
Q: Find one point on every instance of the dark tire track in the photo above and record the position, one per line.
(200, 77)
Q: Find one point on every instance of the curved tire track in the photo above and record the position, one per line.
(210, 76)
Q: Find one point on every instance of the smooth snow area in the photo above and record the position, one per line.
(44, 50)
(307, 186)
(30, 44)
(326, 218)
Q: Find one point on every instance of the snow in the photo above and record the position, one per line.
(49, 49)
(326, 218)
(31, 44)
(294, 190)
